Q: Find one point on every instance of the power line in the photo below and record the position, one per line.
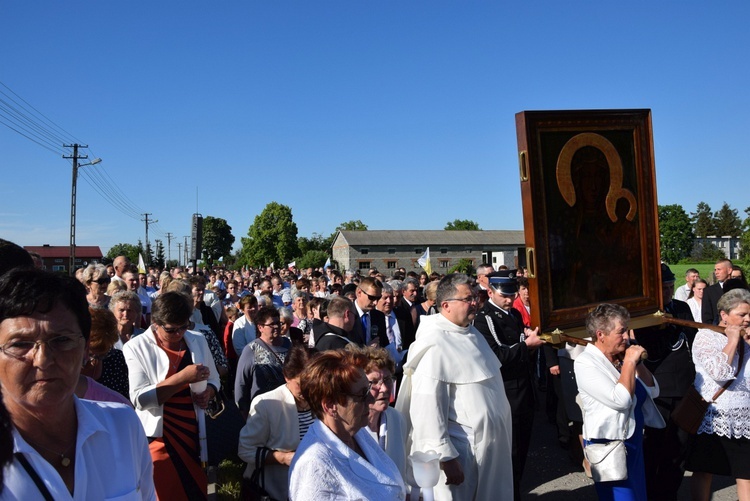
(50, 122)
(28, 122)
(24, 119)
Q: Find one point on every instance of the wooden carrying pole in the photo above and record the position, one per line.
(698, 325)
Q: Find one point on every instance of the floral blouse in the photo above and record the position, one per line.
(729, 416)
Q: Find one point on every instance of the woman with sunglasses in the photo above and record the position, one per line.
(261, 363)
(96, 279)
(337, 459)
(167, 367)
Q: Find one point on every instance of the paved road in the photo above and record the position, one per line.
(550, 474)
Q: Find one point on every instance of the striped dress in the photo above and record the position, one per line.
(176, 454)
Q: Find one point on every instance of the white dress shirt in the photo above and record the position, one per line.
(112, 459)
(243, 333)
(394, 345)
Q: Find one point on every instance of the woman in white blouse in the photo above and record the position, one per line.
(695, 301)
(275, 426)
(721, 445)
(617, 392)
(385, 424)
(338, 459)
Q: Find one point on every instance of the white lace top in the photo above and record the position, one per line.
(729, 416)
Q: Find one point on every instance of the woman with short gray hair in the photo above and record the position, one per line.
(720, 447)
(96, 279)
(126, 305)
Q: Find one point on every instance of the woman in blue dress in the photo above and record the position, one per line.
(617, 393)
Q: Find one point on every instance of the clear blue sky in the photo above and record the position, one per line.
(397, 113)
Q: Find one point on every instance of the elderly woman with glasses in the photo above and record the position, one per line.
(80, 448)
(172, 378)
(96, 279)
(337, 459)
(261, 363)
(385, 424)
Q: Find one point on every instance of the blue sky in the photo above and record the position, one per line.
(399, 114)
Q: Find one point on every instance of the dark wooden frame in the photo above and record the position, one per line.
(588, 188)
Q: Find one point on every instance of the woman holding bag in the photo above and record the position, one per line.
(617, 394)
(722, 445)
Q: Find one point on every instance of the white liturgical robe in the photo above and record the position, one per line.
(452, 372)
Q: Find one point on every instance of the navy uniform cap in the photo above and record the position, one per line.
(666, 274)
(504, 282)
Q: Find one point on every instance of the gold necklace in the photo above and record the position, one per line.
(64, 459)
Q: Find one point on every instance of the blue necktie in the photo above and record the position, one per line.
(365, 330)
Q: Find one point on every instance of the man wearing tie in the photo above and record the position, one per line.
(393, 326)
(370, 325)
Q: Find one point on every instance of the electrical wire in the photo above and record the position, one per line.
(22, 118)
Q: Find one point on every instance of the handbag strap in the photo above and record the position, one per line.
(34, 476)
(260, 461)
(736, 373)
(269, 349)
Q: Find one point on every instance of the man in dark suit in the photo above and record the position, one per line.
(514, 345)
(337, 332)
(369, 329)
(406, 310)
(709, 311)
(669, 360)
(394, 326)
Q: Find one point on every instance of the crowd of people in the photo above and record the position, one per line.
(340, 378)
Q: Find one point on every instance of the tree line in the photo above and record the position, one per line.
(271, 238)
(678, 231)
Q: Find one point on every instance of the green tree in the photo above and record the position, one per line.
(312, 259)
(352, 226)
(463, 266)
(272, 238)
(703, 221)
(745, 238)
(128, 250)
(462, 224)
(727, 222)
(217, 239)
(675, 233)
(159, 259)
(148, 256)
(315, 243)
(706, 253)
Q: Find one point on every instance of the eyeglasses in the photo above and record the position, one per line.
(58, 344)
(371, 298)
(103, 280)
(272, 324)
(175, 330)
(379, 384)
(467, 300)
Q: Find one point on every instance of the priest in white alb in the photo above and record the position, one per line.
(453, 398)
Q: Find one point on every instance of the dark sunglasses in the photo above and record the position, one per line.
(371, 298)
(175, 330)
